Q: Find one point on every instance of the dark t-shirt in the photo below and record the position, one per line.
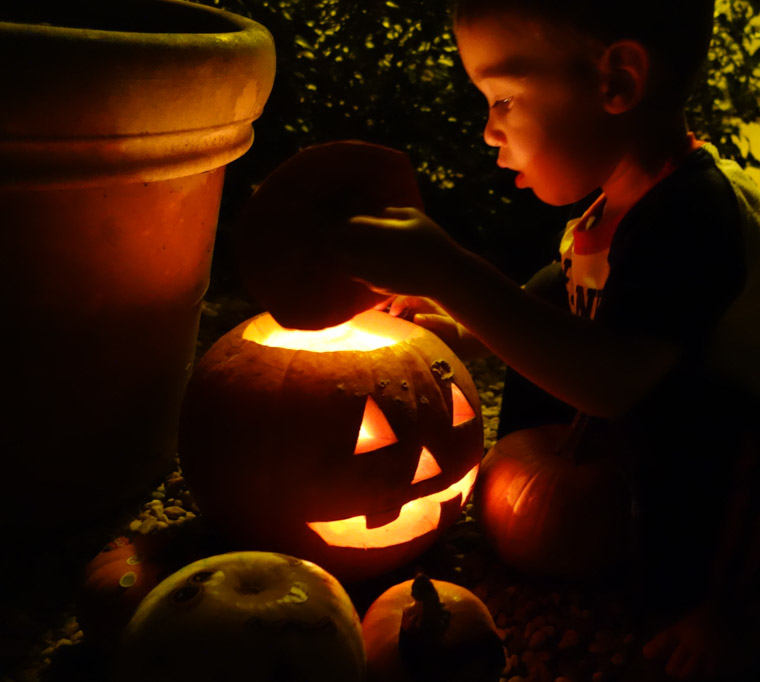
(675, 262)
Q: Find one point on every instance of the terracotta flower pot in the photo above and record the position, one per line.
(117, 121)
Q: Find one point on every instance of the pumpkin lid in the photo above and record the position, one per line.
(279, 236)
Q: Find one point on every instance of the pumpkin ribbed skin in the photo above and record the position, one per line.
(244, 616)
(267, 440)
(545, 514)
(470, 648)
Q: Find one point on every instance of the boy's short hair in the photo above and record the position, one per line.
(676, 32)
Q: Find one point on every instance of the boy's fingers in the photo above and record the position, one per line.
(383, 305)
(375, 221)
(661, 646)
(438, 324)
(678, 661)
(397, 211)
(399, 306)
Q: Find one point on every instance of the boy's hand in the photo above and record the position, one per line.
(401, 251)
(428, 314)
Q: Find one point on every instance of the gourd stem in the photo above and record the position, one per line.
(423, 624)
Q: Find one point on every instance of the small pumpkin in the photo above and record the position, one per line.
(354, 447)
(115, 582)
(278, 236)
(425, 630)
(244, 616)
(549, 508)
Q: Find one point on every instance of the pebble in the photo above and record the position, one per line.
(174, 485)
(537, 640)
(148, 525)
(174, 512)
(569, 639)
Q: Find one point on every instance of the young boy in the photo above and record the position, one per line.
(657, 278)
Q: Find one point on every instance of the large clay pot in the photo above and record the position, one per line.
(117, 121)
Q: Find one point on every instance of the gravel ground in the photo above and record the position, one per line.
(553, 631)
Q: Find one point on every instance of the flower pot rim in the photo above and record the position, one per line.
(236, 25)
(129, 106)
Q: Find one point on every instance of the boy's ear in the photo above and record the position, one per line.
(624, 72)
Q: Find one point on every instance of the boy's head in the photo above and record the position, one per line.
(676, 33)
(575, 86)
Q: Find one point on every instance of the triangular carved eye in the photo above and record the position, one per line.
(461, 408)
(427, 467)
(375, 431)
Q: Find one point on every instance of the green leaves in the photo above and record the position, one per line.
(388, 72)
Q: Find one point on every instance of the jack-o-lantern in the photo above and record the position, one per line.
(353, 446)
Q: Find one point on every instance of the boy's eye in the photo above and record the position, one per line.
(506, 103)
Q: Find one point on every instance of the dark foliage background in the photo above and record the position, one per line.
(387, 71)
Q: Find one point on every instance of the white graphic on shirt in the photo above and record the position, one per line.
(585, 273)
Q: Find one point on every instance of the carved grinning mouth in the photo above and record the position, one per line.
(414, 519)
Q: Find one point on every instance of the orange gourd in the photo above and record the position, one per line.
(115, 582)
(354, 447)
(425, 630)
(547, 510)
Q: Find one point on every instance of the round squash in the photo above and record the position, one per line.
(545, 513)
(423, 630)
(244, 616)
(354, 447)
(280, 231)
(115, 582)
(117, 579)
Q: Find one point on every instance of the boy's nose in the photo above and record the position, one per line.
(493, 134)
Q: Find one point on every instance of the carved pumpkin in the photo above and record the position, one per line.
(426, 629)
(244, 616)
(544, 512)
(290, 212)
(353, 447)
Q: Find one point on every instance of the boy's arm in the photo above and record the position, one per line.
(580, 362)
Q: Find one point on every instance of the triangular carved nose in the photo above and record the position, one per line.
(375, 431)
(427, 467)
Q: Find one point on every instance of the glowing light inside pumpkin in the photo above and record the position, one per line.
(375, 431)
(349, 336)
(415, 518)
(462, 409)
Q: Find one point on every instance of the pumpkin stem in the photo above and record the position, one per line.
(570, 449)
(423, 624)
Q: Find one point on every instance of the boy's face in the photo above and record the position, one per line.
(553, 128)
